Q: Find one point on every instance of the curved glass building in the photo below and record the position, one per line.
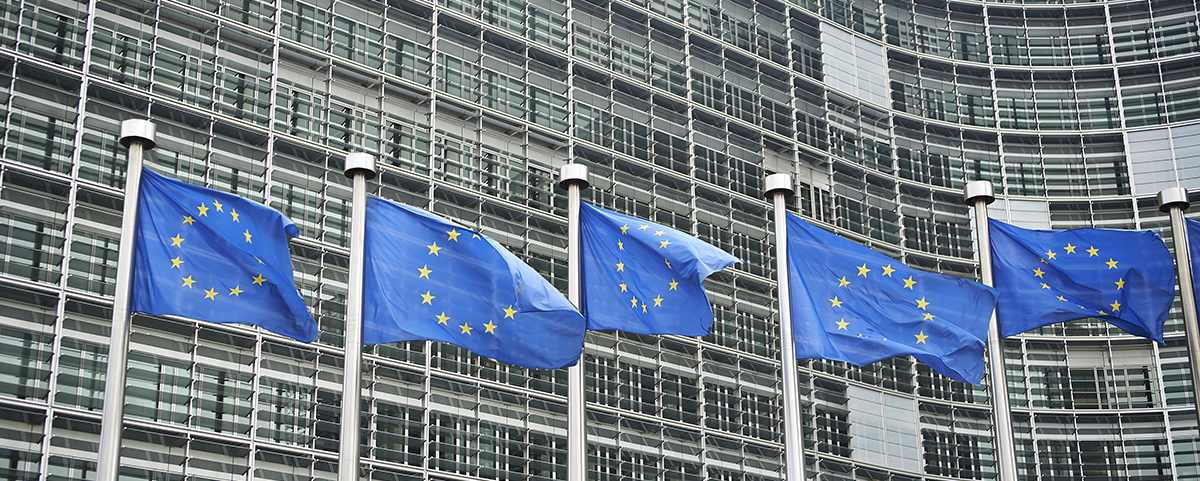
(1078, 112)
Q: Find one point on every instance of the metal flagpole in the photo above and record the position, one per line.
(1174, 200)
(138, 136)
(361, 168)
(779, 188)
(979, 194)
(574, 178)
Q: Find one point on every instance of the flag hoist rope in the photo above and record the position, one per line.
(138, 136)
(778, 189)
(978, 195)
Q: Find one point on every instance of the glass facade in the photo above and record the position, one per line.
(1078, 111)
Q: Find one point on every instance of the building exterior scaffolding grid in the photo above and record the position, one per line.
(1079, 113)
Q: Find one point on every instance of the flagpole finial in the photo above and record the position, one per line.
(572, 174)
(360, 162)
(1173, 197)
(138, 130)
(779, 183)
(979, 190)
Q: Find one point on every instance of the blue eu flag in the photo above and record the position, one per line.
(1125, 277)
(644, 278)
(852, 304)
(429, 279)
(215, 257)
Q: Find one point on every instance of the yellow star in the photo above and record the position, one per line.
(634, 301)
(658, 301)
(1102, 313)
(1061, 298)
(1092, 252)
(427, 299)
(921, 337)
(177, 241)
(643, 308)
(862, 270)
(433, 249)
(424, 270)
(842, 324)
(175, 263)
(620, 267)
(668, 263)
(257, 259)
(236, 290)
(475, 236)
(247, 234)
(928, 316)
(1043, 260)
(1050, 253)
(1111, 263)
(453, 234)
(442, 318)
(625, 228)
(508, 313)
(187, 282)
(921, 303)
(233, 212)
(658, 233)
(887, 270)
(843, 282)
(187, 219)
(259, 279)
(489, 328)
(1120, 283)
(203, 209)
(1045, 286)
(466, 329)
(620, 245)
(644, 227)
(1038, 272)
(624, 288)
(1070, 248)
(663, 243)
(218, 206)
(908, 283)
(210, 294)
(673, 284)
(1116, 306)
(836, 302)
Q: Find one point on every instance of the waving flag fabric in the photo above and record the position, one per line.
(216, 257)
(430, 279)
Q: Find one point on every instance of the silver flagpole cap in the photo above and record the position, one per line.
(979, 190)
(572, 174)
(360, 162)
(779, 183)
(1173, 197)
(140, 130)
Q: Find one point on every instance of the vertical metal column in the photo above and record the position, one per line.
(1174, 200)
(138, 136)
(361, 168)
(779, 188)
(574, 178)
(978, 195)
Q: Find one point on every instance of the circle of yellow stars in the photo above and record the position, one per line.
(620, 266)
(886, 271)
(427, 298)
(1092, 251)
(177, 262)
